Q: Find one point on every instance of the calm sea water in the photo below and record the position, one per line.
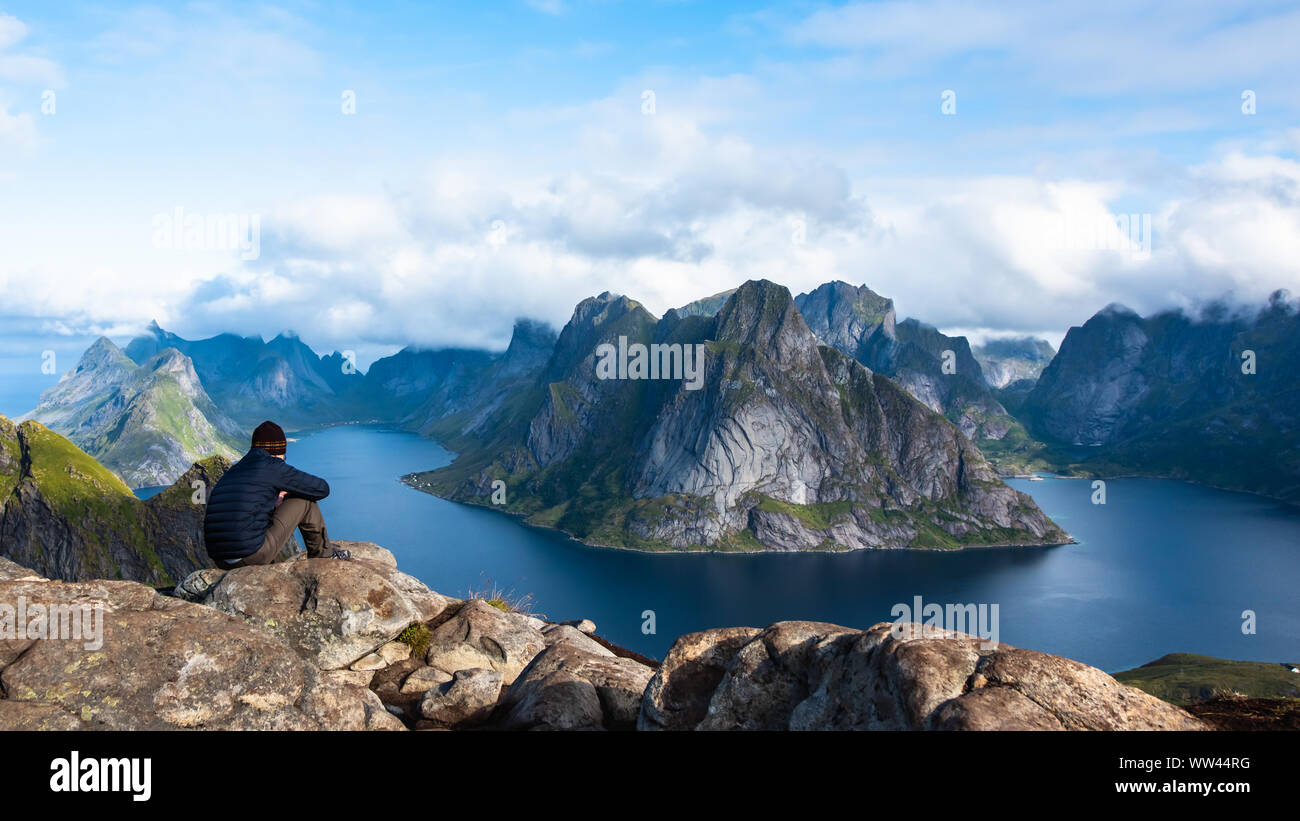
(1162, 567)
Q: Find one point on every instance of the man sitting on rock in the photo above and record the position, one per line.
(254, 509)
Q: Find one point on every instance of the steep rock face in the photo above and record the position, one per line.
(401, 383)
(147, 423)
(855, 321)
(813, 676)
(1169, 395)
(63, 514)
(1088, 395)
(1006, 361)
(861, 323)
(576, 401)
(469, 403)
(777, 444)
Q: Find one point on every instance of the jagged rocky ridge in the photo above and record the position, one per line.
(860, 323)
(1168, 395)
(64, 515)
(785, 445)
(146, 422)
(249, 649)
(252, 380)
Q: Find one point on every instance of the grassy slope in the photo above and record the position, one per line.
(1185, 678)
(83, 492)
(161, 414)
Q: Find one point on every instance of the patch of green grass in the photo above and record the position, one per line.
(564, 399)
(88, 496)
(1186, 678)
(11, 455)
(416, 636)
(818, 516)
(740, 542)
(507, 601)
(1018, 452)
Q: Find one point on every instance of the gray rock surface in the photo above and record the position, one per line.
(555, 691)
(861, 324)
(812, 676)
(781, 445)
(330, 612)
(147, 423)
(480, 635)
(466, 700)
(166, 664)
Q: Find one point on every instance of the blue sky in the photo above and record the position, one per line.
(502, 161)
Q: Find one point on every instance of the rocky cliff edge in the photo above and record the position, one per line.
(373, 648)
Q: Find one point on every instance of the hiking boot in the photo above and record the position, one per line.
(338, 553)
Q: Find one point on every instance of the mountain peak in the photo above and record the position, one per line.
(102, 345)
(104, 354)
(763, 313)
(1116, 309)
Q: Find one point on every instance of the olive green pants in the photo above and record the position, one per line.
(292, 513)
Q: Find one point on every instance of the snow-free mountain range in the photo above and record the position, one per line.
(821, 420)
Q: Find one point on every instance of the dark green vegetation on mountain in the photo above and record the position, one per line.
(66, 516)
(787, 445)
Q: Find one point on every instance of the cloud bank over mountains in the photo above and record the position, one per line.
(674, 179)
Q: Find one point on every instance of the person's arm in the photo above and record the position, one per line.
(300, 483)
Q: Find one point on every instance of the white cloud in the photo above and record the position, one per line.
(23, 69)
(461, 254)
(690, 200)
(18, 130)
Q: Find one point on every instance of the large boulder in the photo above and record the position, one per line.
(813, 676)
(677, 697)
(568, 687)
(480, 635)
(155, 662)
(554, 634)
(556, 701)
(464, 701)
(330, 612)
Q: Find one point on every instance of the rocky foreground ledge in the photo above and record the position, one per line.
(314, 644)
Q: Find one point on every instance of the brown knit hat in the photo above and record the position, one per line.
(270, 438)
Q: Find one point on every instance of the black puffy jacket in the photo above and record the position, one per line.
(240, 506)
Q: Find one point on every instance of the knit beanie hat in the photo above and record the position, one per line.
(270, 438)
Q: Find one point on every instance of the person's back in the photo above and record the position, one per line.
(252, 512)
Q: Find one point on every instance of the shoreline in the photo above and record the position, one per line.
(1222, 488)
(704, 551)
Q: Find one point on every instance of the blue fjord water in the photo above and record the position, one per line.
(1162, 567)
